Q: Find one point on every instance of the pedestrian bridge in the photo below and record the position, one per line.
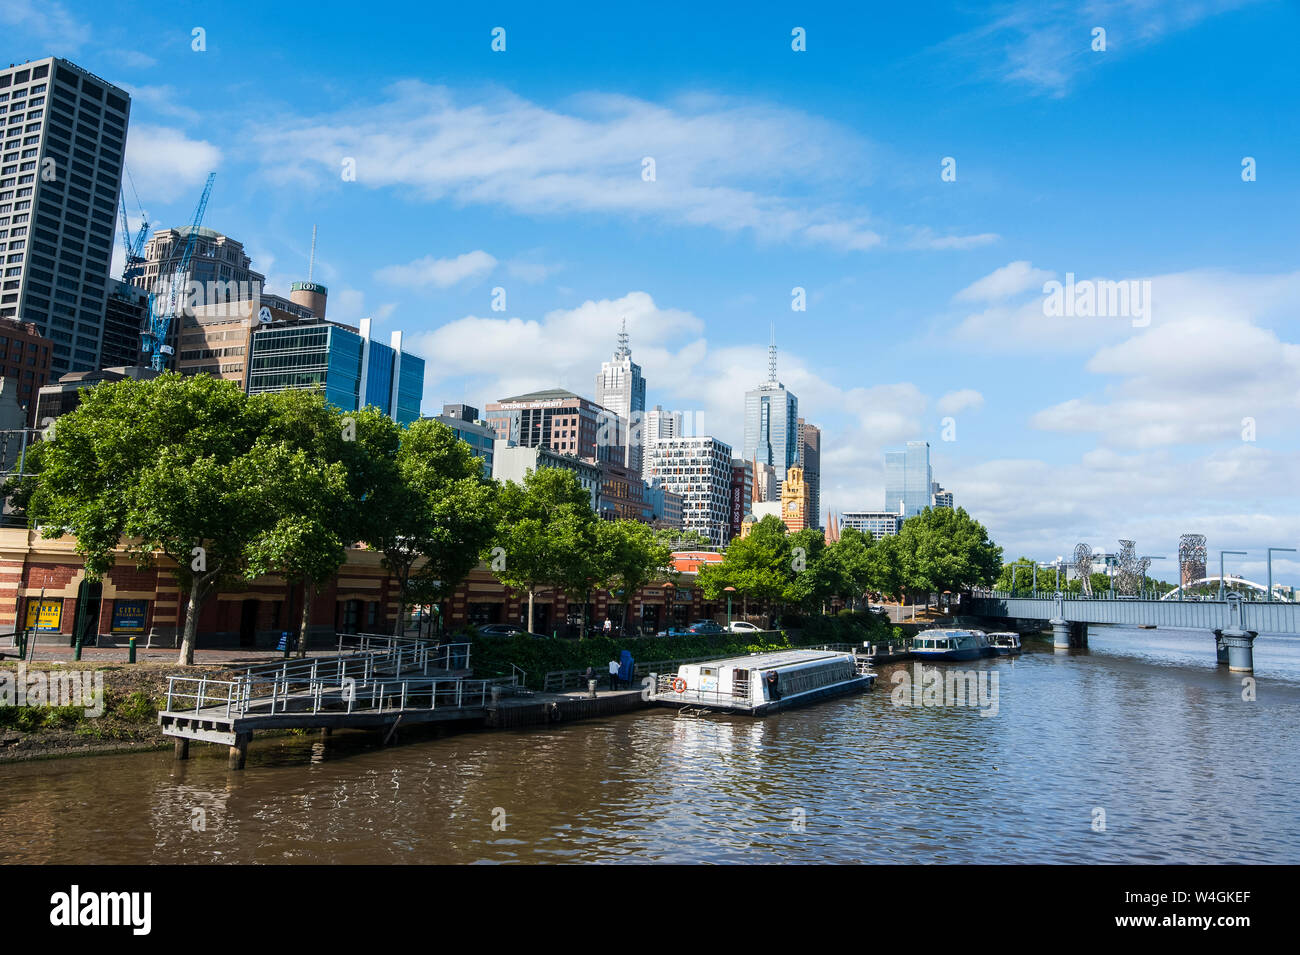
(1235, 622)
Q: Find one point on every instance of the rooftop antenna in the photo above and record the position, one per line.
(622, 340)
(311, 262)
(771, 356)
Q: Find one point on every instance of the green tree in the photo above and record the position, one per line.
(544, 534)
(164, 466)
(758, 565)
(634, 556)
(851, 555)
(1023, 569)
(432, 519)
(945, 549)
(815, 575)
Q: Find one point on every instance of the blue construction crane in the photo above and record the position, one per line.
(160, 320)
(134, 246)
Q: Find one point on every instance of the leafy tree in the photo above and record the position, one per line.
(884, 567)
(677, 539)
(432, 519)
(170, 466)
(758, 565)
(945, 549)
(634, 555)
(815, 576)
(545, 534)
(851, 555)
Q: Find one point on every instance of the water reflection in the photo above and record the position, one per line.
(1183, 768)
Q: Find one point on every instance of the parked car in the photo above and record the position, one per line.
(705, 626)
(674, 632)
(507, 630)
(744, 626)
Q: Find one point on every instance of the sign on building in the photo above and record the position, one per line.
(44, 615)
(128, 616)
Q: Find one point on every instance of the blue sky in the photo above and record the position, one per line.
(777, 169)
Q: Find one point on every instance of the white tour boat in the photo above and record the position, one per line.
(763, 683)
(1005, 643)
(951, 645)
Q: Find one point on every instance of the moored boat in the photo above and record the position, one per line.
(951, 645)
(1005, 643)
(763, 683)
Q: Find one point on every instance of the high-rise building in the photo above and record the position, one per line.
(772, 422)
(61, 154)
(25, 361)
(353, 371)
(559, 420)
(621, 389)
(876, 523)
(466, 425)
(125, 312)
(939, 497)
(214, 339)
(655, 424)
(908, 479)
(810, 459)
(698, 469)
(742, 492)
(511, 462)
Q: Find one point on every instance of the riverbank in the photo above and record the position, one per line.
(50, 724)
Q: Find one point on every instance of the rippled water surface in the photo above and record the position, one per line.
(1142, 727)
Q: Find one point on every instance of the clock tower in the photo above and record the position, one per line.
(794, 500)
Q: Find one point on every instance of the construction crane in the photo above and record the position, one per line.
(160, 320)
(134, 246)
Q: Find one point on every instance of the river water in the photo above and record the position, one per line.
(1139, 749)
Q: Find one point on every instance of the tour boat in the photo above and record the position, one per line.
(1005, 644)
(951, 645)
(763, 683)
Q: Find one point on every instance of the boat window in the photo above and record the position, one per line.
(708, 671)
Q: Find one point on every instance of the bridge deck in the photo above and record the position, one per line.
(1259, 616)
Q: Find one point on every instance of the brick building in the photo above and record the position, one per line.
(24, 358)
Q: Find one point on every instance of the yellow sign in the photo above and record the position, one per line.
(44, 615)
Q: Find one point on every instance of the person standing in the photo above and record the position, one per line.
(613, 674)
(609, 625)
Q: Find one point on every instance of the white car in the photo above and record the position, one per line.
(744, 626)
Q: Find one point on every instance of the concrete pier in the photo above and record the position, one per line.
(1060, 633)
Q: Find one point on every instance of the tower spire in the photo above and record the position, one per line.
(311, 262)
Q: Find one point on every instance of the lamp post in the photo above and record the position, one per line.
(729, 591)
(1239, 553)
(668, 606)
(1289, 550)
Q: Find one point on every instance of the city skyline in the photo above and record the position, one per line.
(925, 315)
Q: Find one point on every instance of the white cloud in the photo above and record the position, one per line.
(165, 163)
(47, 21)
(1010, 280)
(439, 273)
(532, 271)
(955, 402)
(1047, 46)
(720, 163)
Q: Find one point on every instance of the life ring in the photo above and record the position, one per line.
(679, 685)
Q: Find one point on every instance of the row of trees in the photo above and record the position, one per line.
(232, 487)
(940, 549)
(1017, 578)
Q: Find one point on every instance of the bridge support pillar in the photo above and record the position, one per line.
(1220, 649)
(239, 751)
(1239, 646)
(182, 749)
(1060, 633)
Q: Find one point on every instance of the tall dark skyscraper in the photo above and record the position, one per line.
(61, 155)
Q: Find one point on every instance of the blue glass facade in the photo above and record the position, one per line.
(908, 479)
(772, 427)
(331, 357)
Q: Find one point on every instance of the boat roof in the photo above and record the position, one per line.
(778, 658)
(946, 633)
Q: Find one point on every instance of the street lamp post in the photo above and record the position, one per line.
(1239, 553)
(729, 591)
(668, 606)
(1290, 550)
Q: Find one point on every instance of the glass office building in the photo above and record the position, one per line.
(352, 370)
(772, 427)
(908, 479)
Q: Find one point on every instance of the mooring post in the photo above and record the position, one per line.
(182, 750)
(239, 751)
